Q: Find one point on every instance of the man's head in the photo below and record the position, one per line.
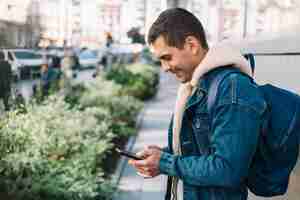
(44, 68)
(178, 39)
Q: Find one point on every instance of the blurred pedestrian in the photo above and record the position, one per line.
(109, 39)
(76, 64)
(5, 82)
(55, 62)
(48, 78)
(67, 65)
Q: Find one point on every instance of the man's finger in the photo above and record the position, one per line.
(130, 161)
(144, 175)
(154, 147)
(144, 153)
(133, 163)
(138, 168)
(140, 163)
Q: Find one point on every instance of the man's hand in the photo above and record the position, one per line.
(149, 167)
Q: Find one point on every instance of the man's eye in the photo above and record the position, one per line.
(166, 58)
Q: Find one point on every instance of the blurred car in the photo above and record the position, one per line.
(53, 59)
(58, 51)
(89, 59)
(24, 62)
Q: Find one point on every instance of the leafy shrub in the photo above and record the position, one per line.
(58, 147)
(138, 80)
(74, 95)
(121, 75)
(122, 108)
(53, 152)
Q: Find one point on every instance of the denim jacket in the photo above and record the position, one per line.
(217, 149)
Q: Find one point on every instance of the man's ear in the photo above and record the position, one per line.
(192, 44)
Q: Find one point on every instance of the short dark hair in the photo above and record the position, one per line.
(175, 24)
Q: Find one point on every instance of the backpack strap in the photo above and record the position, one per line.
(213, 89)
(169, 187)
(251, 59)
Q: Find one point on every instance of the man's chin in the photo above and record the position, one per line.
(181, 79)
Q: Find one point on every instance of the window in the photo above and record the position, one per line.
(88, 55)
(27, 55)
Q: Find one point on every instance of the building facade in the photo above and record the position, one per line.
(87, 22)
(71, 22)
(56, 19)
(237, 19)
(110, 14)
(91, 24)
(14, 23)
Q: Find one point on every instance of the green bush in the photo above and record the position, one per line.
(108, 95)
(53, 152)
(146, 84)
(73, 97)
(120, 75)
(57, 147)
(138, 80)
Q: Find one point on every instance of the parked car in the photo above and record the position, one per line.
(53, 59)
(24, 62)
(58, 51)
(89, 59)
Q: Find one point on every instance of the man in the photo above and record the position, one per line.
(210, 152)
(48, 78)
(5, 82)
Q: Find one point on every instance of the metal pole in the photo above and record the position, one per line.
(245, 18)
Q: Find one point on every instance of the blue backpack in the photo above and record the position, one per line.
(278, 147)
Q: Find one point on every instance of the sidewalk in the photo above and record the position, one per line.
(154, 131)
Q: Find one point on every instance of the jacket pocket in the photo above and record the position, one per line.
(200, 126)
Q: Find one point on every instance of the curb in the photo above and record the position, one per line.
(131, 141)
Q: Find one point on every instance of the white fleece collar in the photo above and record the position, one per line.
(219, 56)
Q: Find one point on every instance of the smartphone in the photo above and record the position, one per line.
(128, 154)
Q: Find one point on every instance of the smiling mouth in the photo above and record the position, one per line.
(173, 71)
(177, 73)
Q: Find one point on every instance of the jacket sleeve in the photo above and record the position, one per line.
(168, 149)
(235, 132)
